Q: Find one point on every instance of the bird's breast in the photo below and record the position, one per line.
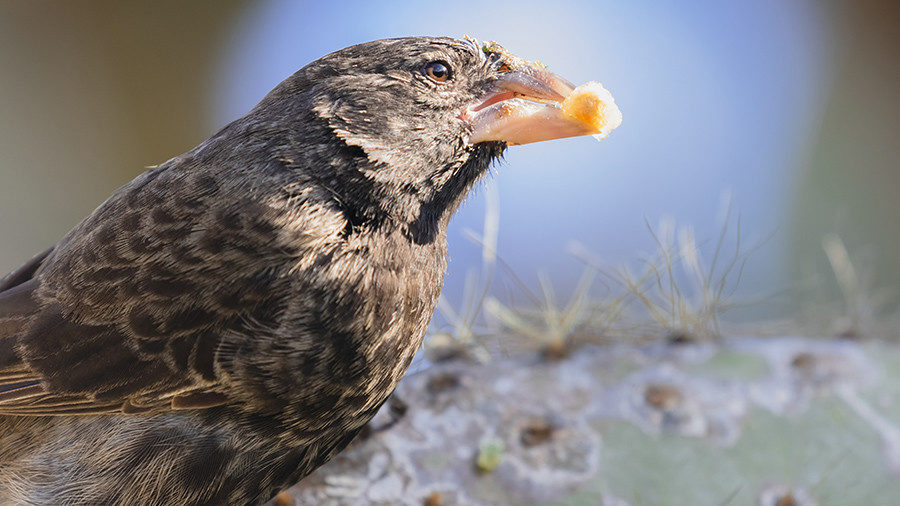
(358, 317)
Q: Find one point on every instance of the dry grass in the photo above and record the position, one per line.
(552, 328)
(673, 293)
(681, 290)
(679, 293)
(861, 304)
(677, 289)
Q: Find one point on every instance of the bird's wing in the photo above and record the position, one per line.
(127, 313)
(51, 364)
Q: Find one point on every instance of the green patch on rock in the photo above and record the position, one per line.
(826, 449)
(490, 453)
(731, 365)
(885, 397)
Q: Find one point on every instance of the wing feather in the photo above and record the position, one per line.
(128, 312)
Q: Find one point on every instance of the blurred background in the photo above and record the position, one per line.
(787, 109)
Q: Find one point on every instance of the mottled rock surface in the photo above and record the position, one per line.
(748, 421)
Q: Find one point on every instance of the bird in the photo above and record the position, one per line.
(229, 320)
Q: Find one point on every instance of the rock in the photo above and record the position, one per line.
(744, 421)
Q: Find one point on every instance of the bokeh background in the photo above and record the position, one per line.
(789, 109)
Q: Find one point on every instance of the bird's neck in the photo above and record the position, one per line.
(422, 210)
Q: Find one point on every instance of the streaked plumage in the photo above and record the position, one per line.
(228, 320)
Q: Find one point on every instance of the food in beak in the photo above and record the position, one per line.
(517, 114)
(593, 106)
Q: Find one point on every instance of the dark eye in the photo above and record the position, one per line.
(438, 71)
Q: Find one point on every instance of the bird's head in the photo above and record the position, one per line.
(418, 120)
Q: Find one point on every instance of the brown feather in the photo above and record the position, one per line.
(198, 400)
(19, 391)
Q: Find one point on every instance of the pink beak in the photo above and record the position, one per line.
(527, 105)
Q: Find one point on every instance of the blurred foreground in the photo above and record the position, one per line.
(749, 421)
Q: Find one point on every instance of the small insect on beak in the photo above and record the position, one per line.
(531, 104)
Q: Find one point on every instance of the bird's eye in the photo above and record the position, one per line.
(438, 71)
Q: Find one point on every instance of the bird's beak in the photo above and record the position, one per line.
(531, 104)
